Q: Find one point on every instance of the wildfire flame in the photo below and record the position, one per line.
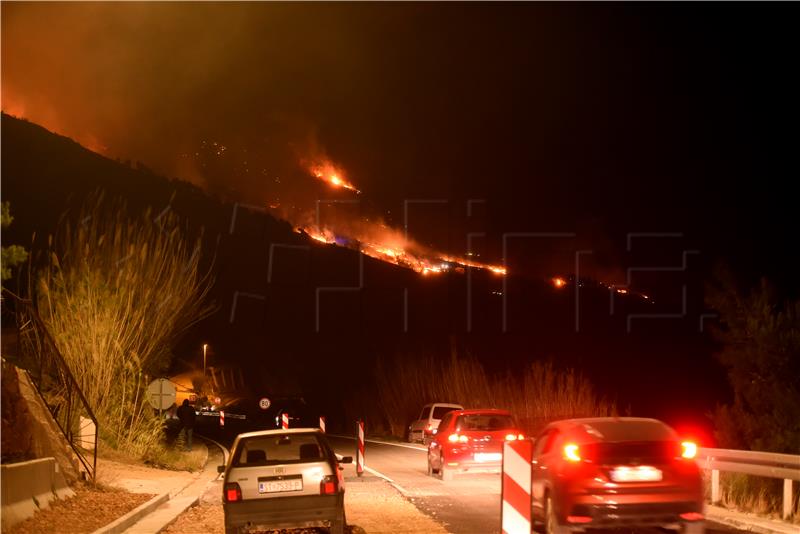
(328, 172)
(421, 261)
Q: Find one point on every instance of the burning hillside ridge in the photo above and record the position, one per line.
(371, 236)
(398, 251)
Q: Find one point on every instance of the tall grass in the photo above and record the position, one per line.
(759, 495)
(115, 292)
(540, 394)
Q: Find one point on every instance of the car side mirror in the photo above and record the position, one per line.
(346, 460)
(220, 469)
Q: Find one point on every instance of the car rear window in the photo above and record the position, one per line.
(279, 449)
(484, 422)
(439, 411)
(630, 430)
(425, 411)
(632, 451)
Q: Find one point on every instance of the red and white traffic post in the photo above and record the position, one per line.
(360, 448)
(515, 513)
(285, 421)
(322, 423)
(221, 418)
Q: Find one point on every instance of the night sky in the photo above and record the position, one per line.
(595, 119)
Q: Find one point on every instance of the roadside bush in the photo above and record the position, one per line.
(541, 394)
(115, 292)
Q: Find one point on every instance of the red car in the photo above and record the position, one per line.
(615, 472)
(470, 441)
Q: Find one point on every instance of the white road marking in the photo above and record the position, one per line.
(378, 474)
(404, 445)
(225, 453)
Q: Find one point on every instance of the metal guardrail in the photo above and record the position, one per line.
(762, 464)
(54, 382)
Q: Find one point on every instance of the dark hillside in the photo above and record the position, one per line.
(299, 315)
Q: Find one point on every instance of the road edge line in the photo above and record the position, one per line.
(394, 484)
(412, 447)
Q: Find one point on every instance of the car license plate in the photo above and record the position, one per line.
(277, 486)
(488, 456)
(639, 473)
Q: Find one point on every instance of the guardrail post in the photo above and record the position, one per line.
(715, 486)
(787, 498)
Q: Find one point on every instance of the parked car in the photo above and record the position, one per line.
(277, 479)
(615, 472)
(299, 413)
(422, 429)
(470, 441)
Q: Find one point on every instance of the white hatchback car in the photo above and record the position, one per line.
(277, 479)
(423, 428)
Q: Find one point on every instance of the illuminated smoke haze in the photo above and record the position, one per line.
(247, 100)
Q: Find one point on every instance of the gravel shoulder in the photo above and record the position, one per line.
(371, 504)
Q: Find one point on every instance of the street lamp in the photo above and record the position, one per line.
(205, 349)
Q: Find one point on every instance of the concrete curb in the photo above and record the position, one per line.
(123, 523)
(163, 516)
(180, 500)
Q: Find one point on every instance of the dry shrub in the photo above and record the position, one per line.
(759, 495)
(115, 292)
(541, 394)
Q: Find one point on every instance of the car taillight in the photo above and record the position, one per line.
(692, 516)
(572, 452)
(233, 492)
(329, 485)
(512, 437)
(457, 438)
(579, 519)
(688, 449)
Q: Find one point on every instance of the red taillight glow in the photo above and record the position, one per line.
(692, 516)
(579, 519)
(233, 492)
(571, 452)
(457, 438)
(328, 485)
(688, 449)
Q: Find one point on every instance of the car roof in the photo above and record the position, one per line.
(477, 411)
(616, 428)
(446, 404)
(278, 432)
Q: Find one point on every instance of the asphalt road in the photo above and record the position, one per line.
(470, 504)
